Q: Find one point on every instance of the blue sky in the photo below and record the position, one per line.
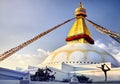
(21, 20)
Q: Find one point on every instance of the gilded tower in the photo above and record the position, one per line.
(79, 33)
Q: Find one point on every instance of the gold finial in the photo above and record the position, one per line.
(81, 4)
(79, 32)
(80, 11)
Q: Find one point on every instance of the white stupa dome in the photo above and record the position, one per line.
(79, 54)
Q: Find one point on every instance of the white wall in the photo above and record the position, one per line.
(98, 75)
(60, 75)
(32, 82)
(47, 83)
(9, 81)
(67, 68)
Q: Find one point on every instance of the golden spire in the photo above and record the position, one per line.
(81, 5)
(79, 32)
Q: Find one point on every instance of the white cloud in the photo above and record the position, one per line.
(24, 60)
(117, 56)
(99, 44)
(111, 48)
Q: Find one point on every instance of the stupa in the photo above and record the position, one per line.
(80, 55)
(80, 48)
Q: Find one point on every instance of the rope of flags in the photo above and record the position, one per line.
(26, 43)
(103, 30)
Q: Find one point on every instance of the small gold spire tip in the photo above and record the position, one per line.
(81, 4)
